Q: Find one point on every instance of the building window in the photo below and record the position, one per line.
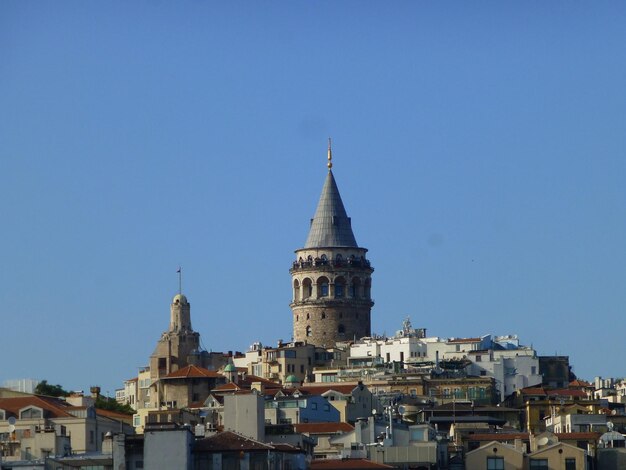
(340, 288)
(322, 286)
(570, 464)
(539, 464)
(341, 329)
(91, 437)
(308, 331)
(478, 358)
(326, 407)
(314, 406)
(323, 315)
(139, 464)
(495, 463)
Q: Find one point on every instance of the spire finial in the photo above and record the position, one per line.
(330, 154)
(180, 280)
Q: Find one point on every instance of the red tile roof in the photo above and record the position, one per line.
(340, 464)
(115, 415)
(566, 392)
(193, 372)
(579, 383)
(230, 386)
(320, 389)
(323, 428)
(56, 407)
(229, 441)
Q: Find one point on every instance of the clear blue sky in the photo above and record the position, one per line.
(479, 149)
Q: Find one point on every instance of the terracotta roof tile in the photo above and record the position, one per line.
(229, 441)
(193, 372)
(116, 415)
(56, 407)
(320, 389)
(579, 383)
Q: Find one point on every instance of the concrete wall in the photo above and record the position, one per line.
(245, 414)
(167, 449)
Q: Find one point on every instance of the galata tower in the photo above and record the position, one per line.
(331, 276)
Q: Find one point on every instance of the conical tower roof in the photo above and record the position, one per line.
(331, 225)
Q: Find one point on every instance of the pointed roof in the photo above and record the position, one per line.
(330, 227)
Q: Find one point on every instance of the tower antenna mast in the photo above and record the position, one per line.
(330, 154)
(180, 280)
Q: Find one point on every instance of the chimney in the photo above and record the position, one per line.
(95, 392)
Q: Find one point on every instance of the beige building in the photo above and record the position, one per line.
(547, 451)
(495, 455)
(34, 427)
(331, 276)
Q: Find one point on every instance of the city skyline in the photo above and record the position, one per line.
(478, 150)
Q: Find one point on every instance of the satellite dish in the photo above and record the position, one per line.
(12, 421)
(11, 427)
(543, 441)
(402, 409)
(374, 411)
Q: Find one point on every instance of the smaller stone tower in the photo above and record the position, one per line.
(178, 346)
(331, 276)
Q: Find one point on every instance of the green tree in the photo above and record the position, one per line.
(44, 388)
(110, 404)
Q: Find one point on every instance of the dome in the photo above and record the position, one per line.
(291, 379)
(179, 299)
(230, 368)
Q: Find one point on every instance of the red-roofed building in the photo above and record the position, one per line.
(36, 426)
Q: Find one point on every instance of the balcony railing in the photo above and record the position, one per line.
(332, 263)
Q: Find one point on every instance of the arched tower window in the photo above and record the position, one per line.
(341, 329)
(340, 287)
(368, 288)
(355, 286)
(323, 315)
(307, 288)
(322, 287)
(308, 330)
(324, 260)
(296, 290)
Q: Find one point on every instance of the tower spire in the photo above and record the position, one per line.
(330, 155)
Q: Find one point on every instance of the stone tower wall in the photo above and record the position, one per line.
(331, 295)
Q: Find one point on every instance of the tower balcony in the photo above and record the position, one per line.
(321, 264)
(336, 302)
